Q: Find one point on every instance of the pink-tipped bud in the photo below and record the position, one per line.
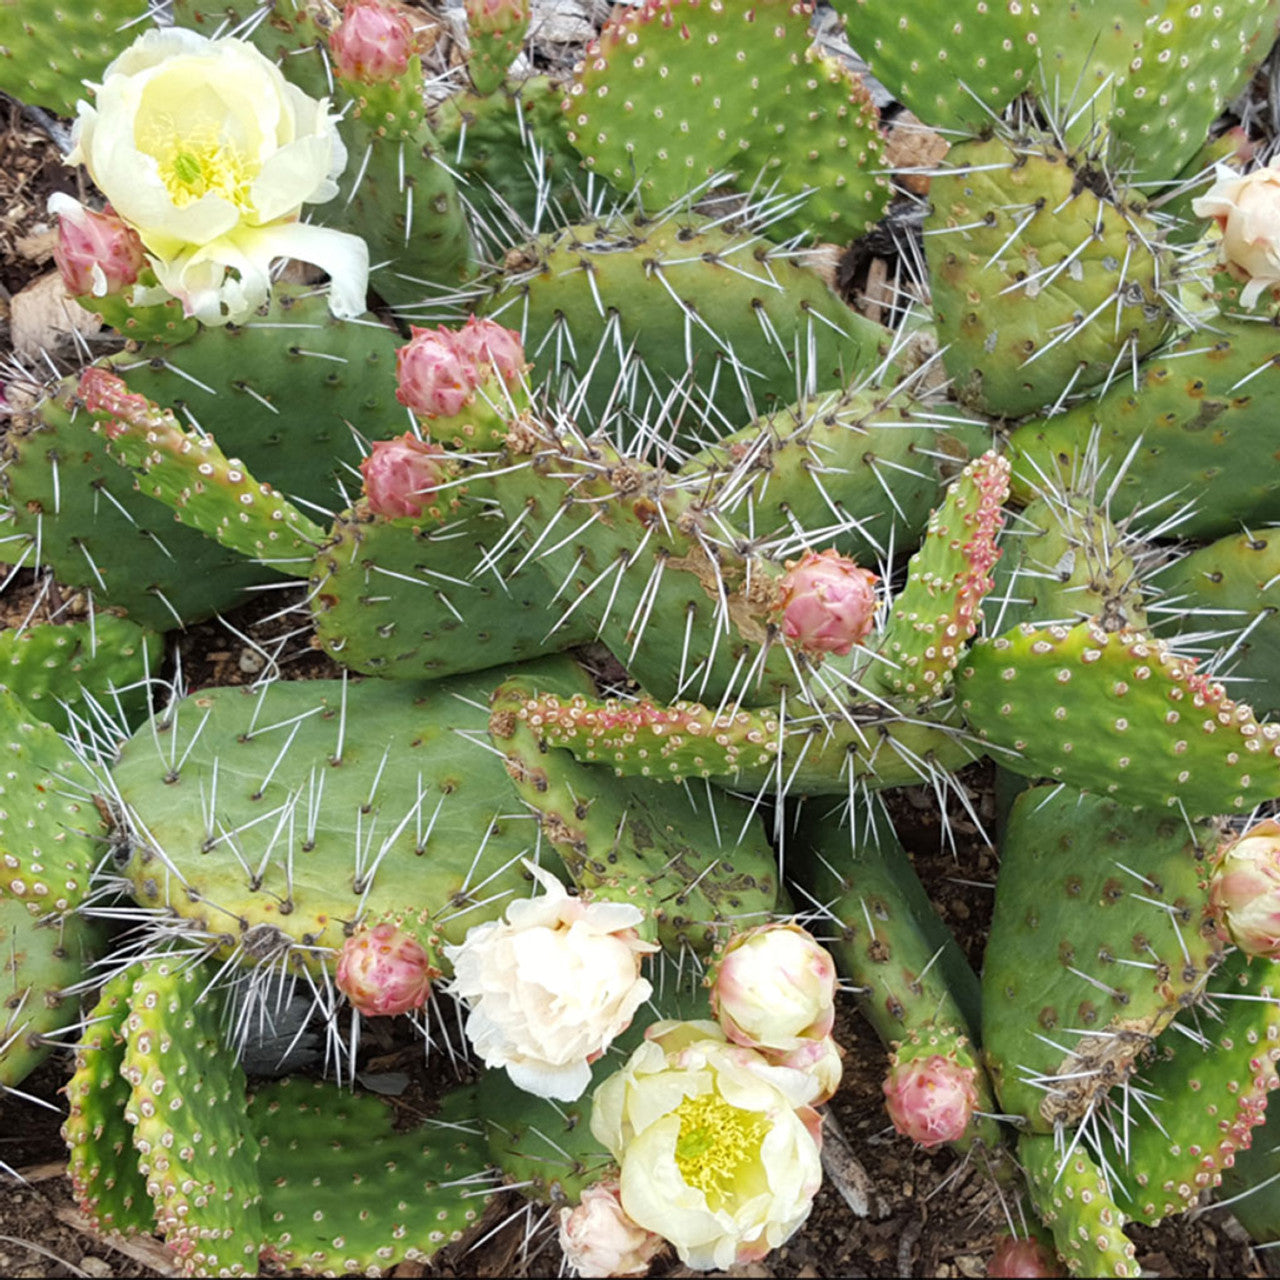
(1244, 891)
(96, 253)
(372, 43)
(599, 1238)
(931, 1100)
(823, 1060)
(1027, 1257)
(401, 475)
(384, 971)
(435, 378)
(496, 16)
(828, 603)
(774, 986)
(484, 341)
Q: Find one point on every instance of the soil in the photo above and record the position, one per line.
(887, 1208)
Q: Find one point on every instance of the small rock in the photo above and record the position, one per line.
(250, 662)
(92, 1266)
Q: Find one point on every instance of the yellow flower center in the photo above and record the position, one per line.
(715, 1141)
(192, 167)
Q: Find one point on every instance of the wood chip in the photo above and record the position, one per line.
(151, 1253)
(913, 145)
(847, 1175)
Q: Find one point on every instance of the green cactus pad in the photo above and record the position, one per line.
(69, 506)
(938, 611)
(857, 470)
(697, 865)
(291, 34)
(46, 51)
(1101, 935)
(344, 1192)
(1117, 713)
(677, 91)
(51, 834)
(955, 66)
(1161, 77)
(666, 583)
(396, 600)
(397, 191)
(1231, 590)
(1075, 1202)
(1205, 1099)
(1195, 432)
(186, 1108)
(109, 659)
(290, 393)
(108, 1186)
(1064, 562)
(743, 323)
(1042, 283)
(890, 941)
(39, 959)
(276, 819)
(510, 151)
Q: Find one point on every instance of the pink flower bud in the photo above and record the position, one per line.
(1027, 1257)
(436, 378)
(401, 475)
(1244, 891)
(384, 971)
(372, 43)
(96, 253)
(931, 1100)
(483, 341)
(496, 16)
(599, 1238)
(828, 603)
(774, 986)
(821, 1059)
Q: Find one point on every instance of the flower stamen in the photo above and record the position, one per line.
(715, 1141)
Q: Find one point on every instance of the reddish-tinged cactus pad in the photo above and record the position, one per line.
(1118, 713)
(938, 611)
(1206, 1093)
(189, 472)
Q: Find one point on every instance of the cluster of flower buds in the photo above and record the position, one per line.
(440, 370)
(773, 990)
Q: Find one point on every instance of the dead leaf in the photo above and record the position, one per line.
(44, 316)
